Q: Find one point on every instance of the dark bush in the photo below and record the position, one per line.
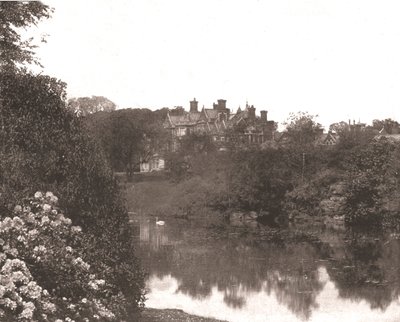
(44, 147)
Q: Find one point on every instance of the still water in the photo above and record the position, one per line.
(339, 276)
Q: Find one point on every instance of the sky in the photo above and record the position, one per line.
(339, 59)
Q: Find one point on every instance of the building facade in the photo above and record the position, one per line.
(224, 127)
(154, 163)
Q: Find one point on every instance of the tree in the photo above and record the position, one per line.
(339, 127)
(302, 129)
(83, 106)
(194, 152)
(369, 182)
(388, 125)
(197, 143)
(32, 105)
(127, 136)
(45, 147)
(178, 110)
(354, 136)
(15, 16)
(259, 180)
(301, 154)
(235, 135)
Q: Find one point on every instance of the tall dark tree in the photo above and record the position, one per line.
(43, 147)
(302, 155)
(370, 182)
(302, 129)
(128, 136)
(14, 16)
(258, 180)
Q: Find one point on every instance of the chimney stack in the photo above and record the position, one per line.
(264, 116)
(252, 112)
(194, 106)
(221, 104)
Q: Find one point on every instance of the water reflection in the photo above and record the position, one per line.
(349, 276)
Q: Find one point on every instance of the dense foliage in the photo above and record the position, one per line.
(302, 129)
(259, 180)
(127, 136)
(43, 273)
(15, 16)
(357, 178)
(371, 182)
(88, 105)
(45, 146)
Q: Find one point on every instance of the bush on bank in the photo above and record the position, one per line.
(44, 274)
(280, 181)
(372, 180)
(45, 147)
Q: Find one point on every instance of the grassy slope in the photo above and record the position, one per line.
(149, 197)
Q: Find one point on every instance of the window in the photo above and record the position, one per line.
(181, 131)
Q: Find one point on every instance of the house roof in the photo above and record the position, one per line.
(322, 138)
(208, 119)
(211, 113)
(179, 119)
(184, 119)
(194, 116)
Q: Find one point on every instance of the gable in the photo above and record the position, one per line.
(330, 139)
(211, 114)
(203, 116)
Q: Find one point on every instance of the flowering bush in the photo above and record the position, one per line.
(57, 154)
(43, 273)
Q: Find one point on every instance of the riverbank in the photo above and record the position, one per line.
(189, 199)
(171, 315)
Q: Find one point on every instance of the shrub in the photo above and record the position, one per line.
(368, 184)
(258, 180)
(44, 274)
(305, 198)
(44, 146)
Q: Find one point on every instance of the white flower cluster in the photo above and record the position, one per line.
(103, 312)
(37, 233)
(81, 263)
(18, 291)
(48, 196)
(96, 284)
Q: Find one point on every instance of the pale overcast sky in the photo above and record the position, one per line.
(336, 58)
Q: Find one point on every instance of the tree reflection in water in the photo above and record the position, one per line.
(362, 267)
(369, 269)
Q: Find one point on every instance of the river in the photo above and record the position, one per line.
(232, 275)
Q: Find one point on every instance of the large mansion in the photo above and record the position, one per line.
(240, 129)
(219, 123)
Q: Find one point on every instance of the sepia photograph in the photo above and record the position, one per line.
(200, 161)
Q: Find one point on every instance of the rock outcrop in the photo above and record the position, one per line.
(335, 204)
